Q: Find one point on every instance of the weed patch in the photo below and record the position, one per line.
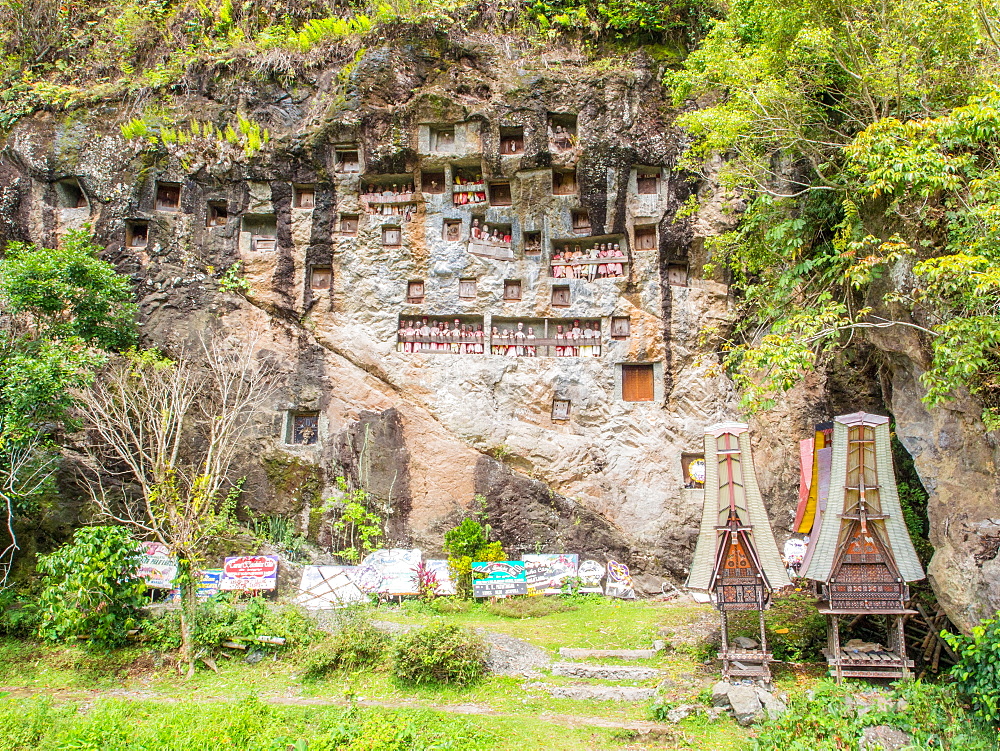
(528, 607)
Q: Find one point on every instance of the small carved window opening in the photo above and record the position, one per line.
(218, 214)
(443, 139)
(321, 278)
(645, 237)
(415, 291)
(532, 243)
(348, 224)
(467, 289)
(70, 194)
(621, 327)
(263, 229)
(432, 182)
(346, 160)
(648, 182)
(303, 428)
(677, 274)
(304, 197)
(564, 183)
(512, 289)
(136, 234)
(392, 237)
(168, 197)
(581, 222)
(500, 194)
(452, 231)
(560, 409)
(560, 297)
(511, 140)
(637, 382)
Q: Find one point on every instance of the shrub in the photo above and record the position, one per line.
(446, 605)
(91, 587)
(19, 614)
(358, 644)
(528, 607)
(465, 544)
(440, 654)
(977, 673)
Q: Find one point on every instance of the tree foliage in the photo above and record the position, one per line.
(863, 136)
(977, 673)
(61, 311)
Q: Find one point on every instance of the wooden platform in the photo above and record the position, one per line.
(879, 664)
(746, 664)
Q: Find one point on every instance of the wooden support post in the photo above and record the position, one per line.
(835, 633)
(725, 645)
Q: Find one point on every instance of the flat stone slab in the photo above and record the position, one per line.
(605, 672)
(618, 654)
(598, 693)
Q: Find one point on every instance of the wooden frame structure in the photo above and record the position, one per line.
(862, 557)
(736, 559)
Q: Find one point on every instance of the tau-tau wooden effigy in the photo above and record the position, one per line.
(736, 559)
(862, 557)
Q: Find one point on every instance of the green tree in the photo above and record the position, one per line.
(92, 587)
(977, 673)
(62, 310)
(465, 544)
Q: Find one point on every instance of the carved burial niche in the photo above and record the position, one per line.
(321, 278)
(512, 289)
(511, 140)
(346, 159)
(459, 335)
(560, 409)
(443, 139)
(647, 181)
(561, 296)
(217, 214)
(562, 131)
(532, 243)
(304, 196)
(168, 196)
(693, 472)
(263, 230)
(348, 224)
(451, 230)
(136, 233)
(637, 382)
(500, 194)
(546, 337)
(467, 186)
(645, 237)
(69, 194)
(677, 274)
(432, 182)
(564, 182)
(415, 291)
(467, 289)
(392, 236)
(620, 327)
(302, 428)
(580, 221)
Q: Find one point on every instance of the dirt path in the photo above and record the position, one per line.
(569, 720)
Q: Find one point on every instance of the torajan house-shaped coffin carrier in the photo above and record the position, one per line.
(736, 559)
(862, 557)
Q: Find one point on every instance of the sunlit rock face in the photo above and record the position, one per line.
(361, 215)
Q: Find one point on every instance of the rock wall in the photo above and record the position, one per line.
(427, 432)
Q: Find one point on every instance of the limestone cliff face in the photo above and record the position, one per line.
(427, 432)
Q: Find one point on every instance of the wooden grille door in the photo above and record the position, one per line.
(637, 383)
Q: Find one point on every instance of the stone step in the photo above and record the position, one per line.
(605, 672)
(618, 654)
(596, 693)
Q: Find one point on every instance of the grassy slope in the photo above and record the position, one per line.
(524, 719)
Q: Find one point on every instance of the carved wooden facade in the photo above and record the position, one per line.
(862, 556)
(736, 559)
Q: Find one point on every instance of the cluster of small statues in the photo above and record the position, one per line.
(475, 191)
(424, 335)
(533, 244)
(602, 262)
(561, 138)
(421, 335)
(394, 200)
(484, 236)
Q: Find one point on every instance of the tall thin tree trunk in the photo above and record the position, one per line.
(189, 601)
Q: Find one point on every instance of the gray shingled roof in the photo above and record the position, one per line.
(763, 536)
(822, 559)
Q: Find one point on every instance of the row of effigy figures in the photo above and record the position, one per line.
(600, 262)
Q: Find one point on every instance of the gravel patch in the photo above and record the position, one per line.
(511, 656)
